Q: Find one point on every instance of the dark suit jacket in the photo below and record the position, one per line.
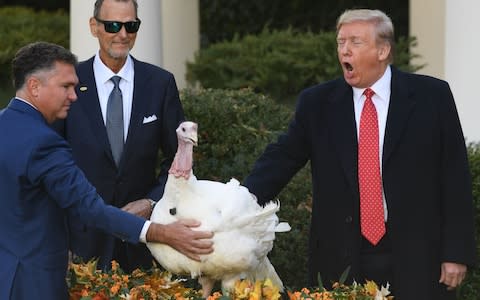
(155, 94)
(426, 181)
(39, 184)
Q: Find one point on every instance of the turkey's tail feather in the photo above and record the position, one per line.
(266, 270)
(282, 227)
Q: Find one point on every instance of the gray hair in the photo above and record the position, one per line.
(98, 6)
(383, 24)
(38, 56)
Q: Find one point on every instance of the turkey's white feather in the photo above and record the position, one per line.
(243, 230)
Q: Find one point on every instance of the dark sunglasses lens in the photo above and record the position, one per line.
(132, 27)
(112, 27)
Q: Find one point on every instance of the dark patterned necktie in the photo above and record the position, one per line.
(114, 122)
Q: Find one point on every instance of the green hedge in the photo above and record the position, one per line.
(470, 290)
(276, 63)
(234, 128)
(20, 26)
(250, 16)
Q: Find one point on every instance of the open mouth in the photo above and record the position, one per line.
(348, 66)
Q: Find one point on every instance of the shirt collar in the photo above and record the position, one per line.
(381, 87)
(104, 73)
(27, 102)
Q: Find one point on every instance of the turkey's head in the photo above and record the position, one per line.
(187, 138)
(187, 133)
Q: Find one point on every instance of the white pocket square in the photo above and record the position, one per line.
(149, 119)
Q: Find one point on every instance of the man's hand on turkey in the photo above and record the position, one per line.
(181, 236)
(142, 208)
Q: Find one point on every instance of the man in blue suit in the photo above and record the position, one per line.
(417, 170)
(151, 113)
(40, 184)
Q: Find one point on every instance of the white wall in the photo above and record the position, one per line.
(462, 64)
(427, 24)
(168, 37)
(449, 44)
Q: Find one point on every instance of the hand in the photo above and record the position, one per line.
(180, 236)
(141, 208)
(452, 274)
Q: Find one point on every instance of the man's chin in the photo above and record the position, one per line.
(62, 115)
(119, 54)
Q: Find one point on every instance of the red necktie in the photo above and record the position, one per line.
(372, 220)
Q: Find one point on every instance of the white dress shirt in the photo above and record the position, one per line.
(381, 100)
(105, 86)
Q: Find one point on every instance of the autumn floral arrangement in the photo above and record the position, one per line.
(87, 283)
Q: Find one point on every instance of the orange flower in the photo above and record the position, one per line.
(100, 296)
(114, 265)
(115, 288)
(214, 296)
(371, 288)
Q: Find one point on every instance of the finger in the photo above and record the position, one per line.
(193, 256)
(189, 222)
(202, 244)
(203, 235)
(442, 277)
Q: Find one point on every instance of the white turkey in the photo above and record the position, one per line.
(243, 230)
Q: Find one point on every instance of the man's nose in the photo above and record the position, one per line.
(123, 32)
(344, 48)
(72, 95)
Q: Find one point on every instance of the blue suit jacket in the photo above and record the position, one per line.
(155, 94)
(40, 184)
(425, 173)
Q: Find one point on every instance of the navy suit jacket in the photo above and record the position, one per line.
(425, 172)
(40, 184)
(155, 94)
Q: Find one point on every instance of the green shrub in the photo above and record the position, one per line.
(233, 128)
(276, 63)
(250, 16)
(470, 290)
(20, 26)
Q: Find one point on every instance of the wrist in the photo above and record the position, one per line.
(155, 233)
(152, 203)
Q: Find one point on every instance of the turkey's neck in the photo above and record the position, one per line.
(182, 163)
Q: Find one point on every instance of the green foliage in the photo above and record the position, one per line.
(250, 16)
(6, 93)
(51, 5)
(234, 128)
(276, 63)
(20, 26)
(470, 290)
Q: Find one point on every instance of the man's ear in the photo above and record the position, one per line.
(33, 85)
(93, 26)
(384, 51)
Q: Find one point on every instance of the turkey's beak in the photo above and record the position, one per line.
(194, 139)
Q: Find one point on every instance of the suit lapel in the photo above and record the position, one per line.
(139, 106)
(400, 107)
(89, 102)
(344, 133)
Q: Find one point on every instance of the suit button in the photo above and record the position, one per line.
(348, 219)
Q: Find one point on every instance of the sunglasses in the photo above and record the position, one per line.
(116, 26)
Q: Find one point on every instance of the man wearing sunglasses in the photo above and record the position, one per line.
(121, 162)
